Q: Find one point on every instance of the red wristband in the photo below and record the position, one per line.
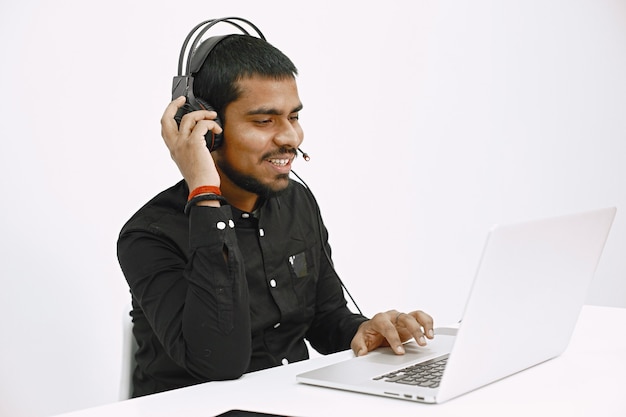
(204, 189)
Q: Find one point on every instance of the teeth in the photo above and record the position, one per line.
(279, 162)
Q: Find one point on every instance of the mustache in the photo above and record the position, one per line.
(279, 152)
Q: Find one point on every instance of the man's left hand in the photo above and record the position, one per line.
(392, 328)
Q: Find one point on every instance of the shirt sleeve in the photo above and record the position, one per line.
(196, 302)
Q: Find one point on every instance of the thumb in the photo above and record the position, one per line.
(358, 346)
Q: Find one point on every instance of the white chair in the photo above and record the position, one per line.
(129, 347)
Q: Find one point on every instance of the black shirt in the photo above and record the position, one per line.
(222, 292)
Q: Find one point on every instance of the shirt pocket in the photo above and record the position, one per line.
(303, 272)
(299, 265)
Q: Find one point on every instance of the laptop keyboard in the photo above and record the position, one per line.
(424, 374)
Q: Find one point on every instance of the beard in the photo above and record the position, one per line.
(252, 184)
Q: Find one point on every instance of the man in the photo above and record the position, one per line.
(223, 289)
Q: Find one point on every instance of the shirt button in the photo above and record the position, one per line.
(231, 224)
(285, 361)
(245, 215)
(221, 225)
(273, 283)
(277, 325)
(261, 232)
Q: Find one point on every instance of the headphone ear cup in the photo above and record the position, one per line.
(213, 140)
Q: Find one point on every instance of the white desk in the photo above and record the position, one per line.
(589, 379)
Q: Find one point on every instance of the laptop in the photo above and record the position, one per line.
(524, 303)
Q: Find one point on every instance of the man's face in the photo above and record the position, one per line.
(261, 136)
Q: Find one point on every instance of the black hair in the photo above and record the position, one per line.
(234, 58)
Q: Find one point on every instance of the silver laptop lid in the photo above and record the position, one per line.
(530, 286)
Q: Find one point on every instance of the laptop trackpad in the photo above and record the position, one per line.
(442, 344)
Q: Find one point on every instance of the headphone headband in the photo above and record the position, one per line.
(205, 50)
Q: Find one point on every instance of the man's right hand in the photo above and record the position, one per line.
(187, 145)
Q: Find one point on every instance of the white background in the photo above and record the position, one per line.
(427, 122)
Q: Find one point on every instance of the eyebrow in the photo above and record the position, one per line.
(268, 110)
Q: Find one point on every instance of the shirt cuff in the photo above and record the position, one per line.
(210, 226)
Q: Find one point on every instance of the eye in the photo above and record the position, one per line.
(294, 117)
(263, 122)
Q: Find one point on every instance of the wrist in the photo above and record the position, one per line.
(203, 198)
(209, 203)
(204, 195)
(204, 189)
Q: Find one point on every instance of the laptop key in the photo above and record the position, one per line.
(426, 374)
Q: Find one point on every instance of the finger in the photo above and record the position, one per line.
(358, 345)
(426, 321)
(385, 324)
(408, 323)
(204, 125)
(195, 123)
(168, 123)
(420, 325)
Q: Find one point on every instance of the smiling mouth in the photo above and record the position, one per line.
(279, 162)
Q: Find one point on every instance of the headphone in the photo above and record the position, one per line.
(182, 84)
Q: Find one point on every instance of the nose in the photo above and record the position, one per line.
(288, 135)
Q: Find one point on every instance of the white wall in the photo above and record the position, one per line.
(426, 124)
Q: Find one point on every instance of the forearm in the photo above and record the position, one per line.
(196, 302)
(335, 332)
